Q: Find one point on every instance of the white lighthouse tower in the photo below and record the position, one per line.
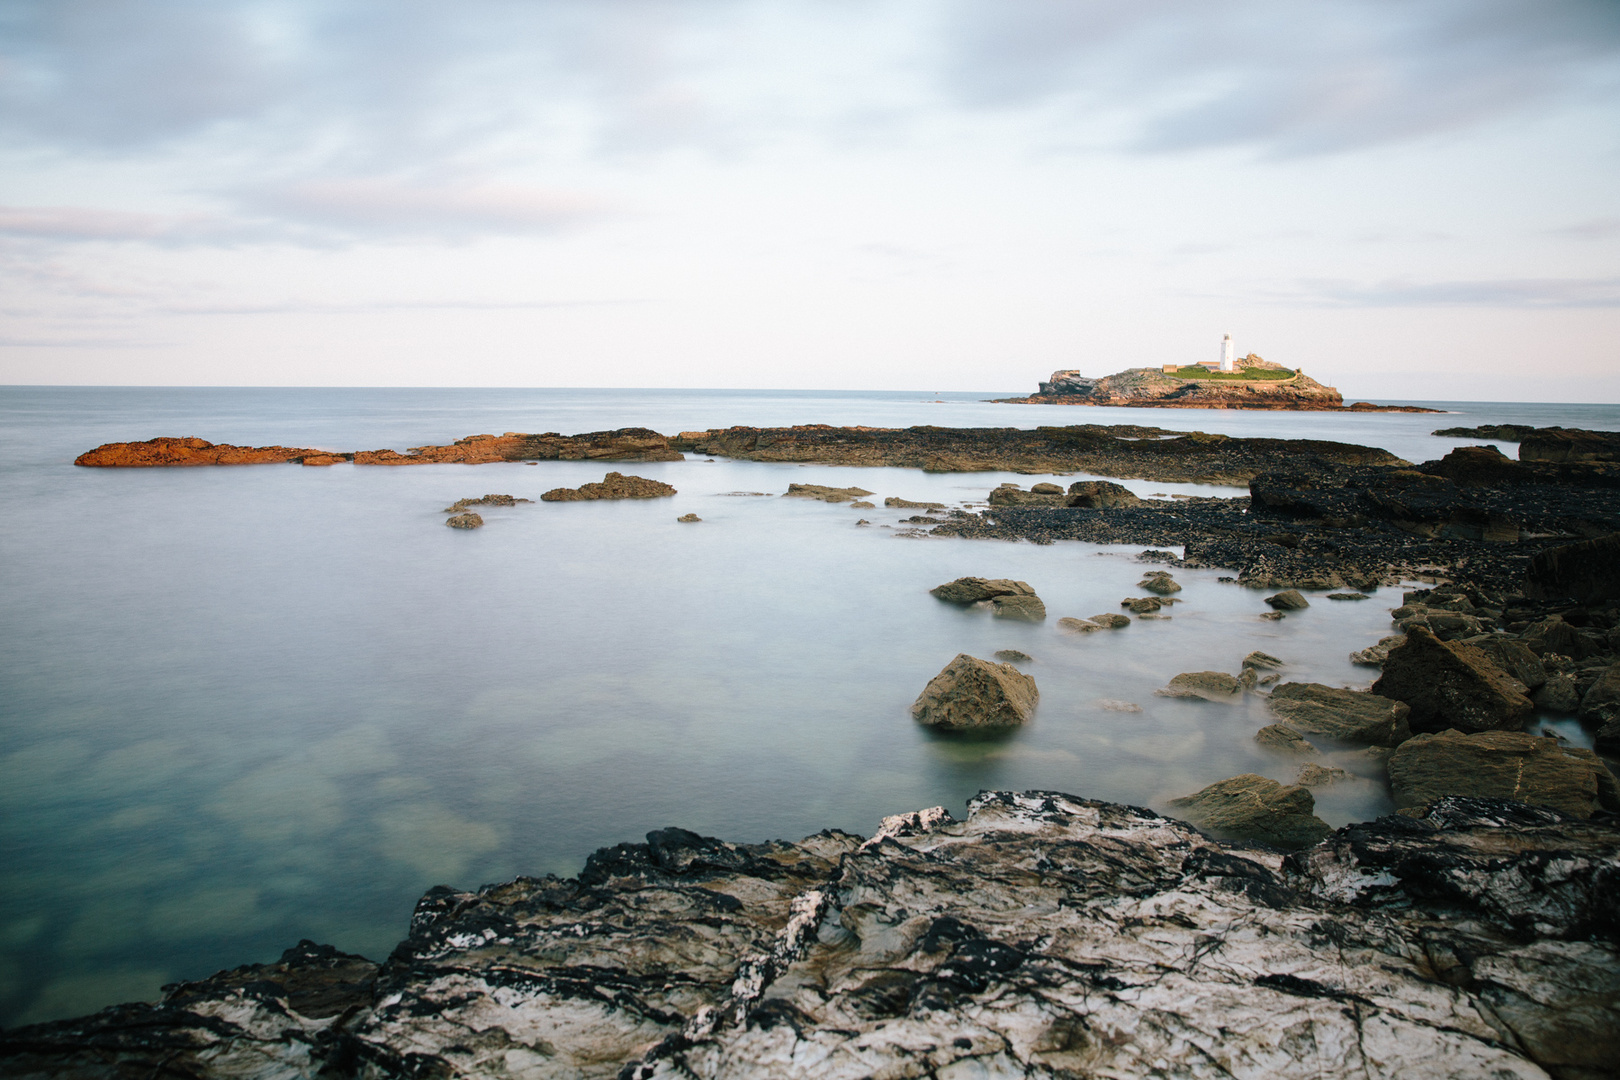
(1226, 354)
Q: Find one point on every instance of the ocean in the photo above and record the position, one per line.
(244, 706)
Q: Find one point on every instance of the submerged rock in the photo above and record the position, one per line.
(688, 518)
(1314, 775)
(1284, 739)
(1451, 685)
(971, 590)
(1348, 716)
(1251, 807)
(1262, 661)
(1375, 655)
(1020, 607)
(1078, 626)
(486, 500)
(1043, 936)
(1111, 621)
(1208, 685)
(1502, 765)
(824, 493)
(1013, 656)
(613, 486)
(1288, 600)
(465, 521)
(1141, 605)
(893, 501)
(1159, 582)
(974, 693)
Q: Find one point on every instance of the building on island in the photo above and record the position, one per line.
(1225, 363)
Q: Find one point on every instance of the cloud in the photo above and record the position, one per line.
(1498, 293)
(385, 207)
(89, 223)
(1595, 229)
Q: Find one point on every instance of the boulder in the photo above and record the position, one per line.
(824, 493)
(1558, 694)
(1451, 685)
(1501, 765)
(1077, 626)
(1207, 685)
(1288, 600)
(1141, 605)
(1284, 740)
(688, 518)
(1512, 656)
(1314, 775)
(1159, 582)
(1347, 716)
(1013, 656)
(1099, 495)
(907, 504)
(1111, 621)
(1045, 489)
(613, 486)
(1601, 703)
(1251, 807)
(974, 693)
(1263, 661)
(1020, 607)
(465, 521)
(971, 590)
(1013, 495)
(1375, 655)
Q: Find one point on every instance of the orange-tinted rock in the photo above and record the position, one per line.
(154, 453)
(623, 444)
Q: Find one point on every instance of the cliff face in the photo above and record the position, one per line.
(1044, 936)
(1149, 387)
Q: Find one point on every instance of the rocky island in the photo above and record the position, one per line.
(1254, 383)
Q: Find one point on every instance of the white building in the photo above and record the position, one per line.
(1226, 354)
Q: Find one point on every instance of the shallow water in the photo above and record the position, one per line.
(245, 706)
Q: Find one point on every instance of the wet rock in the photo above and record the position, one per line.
(1252, 807)
(1262, 660)
(1273, 616)
(1111, 621)
(1502, 765)
(1045, 489)
(862, 504)
(1557, 694)
(163, 452)
(487, 500)
(1348, 716)
(1159, 582)
(1115, 705)
(1569, 444)
(1588, 572)
(1077, 626)
(1375, 655)
(1013, 495)
(1451, 685)
(1141, 605)
(907, 504)
(1513, 657)
(972, 590)
(1020, 607)
(974, 693)
(1607, 739)
(1348, 596)
(1099, 495)
(1601, 703)
(1288, 600)
(688, 518)
(1207, 685)
(1313, 775)
(824, 493)
(1013, 656)
(613, 486)
(1284, 739)
(465, 521)
(863, 521)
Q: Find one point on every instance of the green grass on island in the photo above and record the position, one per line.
(1254, 374)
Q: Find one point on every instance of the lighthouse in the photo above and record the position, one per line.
(1226, 354)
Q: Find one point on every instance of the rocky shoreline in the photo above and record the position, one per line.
(1043, 935)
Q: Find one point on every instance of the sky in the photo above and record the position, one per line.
(1404, 198)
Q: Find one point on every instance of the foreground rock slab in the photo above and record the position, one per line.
(1348, 716)
(974, 693)
(1502, 765)
(1045, 936)
(1451, 685)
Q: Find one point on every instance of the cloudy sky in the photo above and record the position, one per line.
(1407, 198)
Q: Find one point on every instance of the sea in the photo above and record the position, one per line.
(244, 706)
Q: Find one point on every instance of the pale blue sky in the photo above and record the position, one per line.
(1407, 198)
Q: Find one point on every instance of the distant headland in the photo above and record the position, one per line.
(1246, 383)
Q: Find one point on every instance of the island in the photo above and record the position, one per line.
(1247, 383)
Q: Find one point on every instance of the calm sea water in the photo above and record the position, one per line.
(244, 706)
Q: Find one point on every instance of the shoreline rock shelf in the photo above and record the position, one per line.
(1043, 936)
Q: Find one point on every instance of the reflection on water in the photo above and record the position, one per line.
(246, 706)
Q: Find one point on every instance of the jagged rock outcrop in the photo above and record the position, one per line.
(1045, 936)
(161, 452)
(971, 693)
(613, 486)
(1501, 765)
(1451, 685)
(1256, 384)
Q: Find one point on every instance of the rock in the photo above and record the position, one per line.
(1115, 705)
(1607, 739)
(971, 590)
(1013, 656)
(1569, 444)
(1288, 600)
(1451, 685)
(688, 518)
(1111, 621)
(1263, 661)
(1013, 495)
(863, 521)
(1077, 626)
(974, 693)
(1159, 582)
(862, 504)
(823, 493)
(1348, 716)
(1513, 657)
(465, 521)
(613, 486)
(1251, 807)
(1558, 694)
(1285, 740)
(1375, 655)
(1601, 703)
(1099, 495)
(1208, 685)
(1045, 489)
(1501, 765)
(1023, 608)
(162, 452)
(1588, 572)
(908, 504)
(486, 500)
(623, 444)
(1348, 596)
(1044, 935)
(1273, 616)
(1313, 775)
(1141, 605)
